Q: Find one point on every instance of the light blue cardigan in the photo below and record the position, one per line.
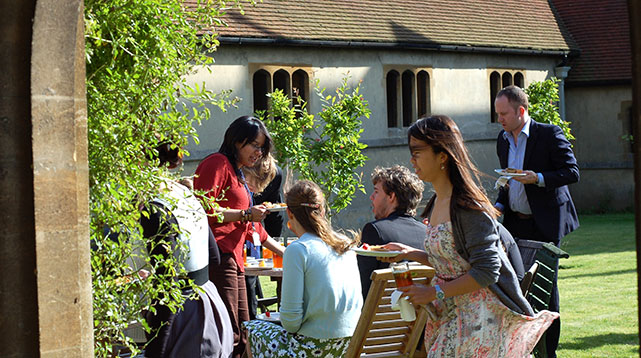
(321, 294)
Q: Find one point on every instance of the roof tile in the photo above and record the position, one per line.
(520, 24)
(601, 29)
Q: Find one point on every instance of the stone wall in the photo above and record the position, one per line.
(600, 120)
(459, 88)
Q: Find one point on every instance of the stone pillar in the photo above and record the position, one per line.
(562, 73)
(18, 293)
(60, 183)
(45, 285)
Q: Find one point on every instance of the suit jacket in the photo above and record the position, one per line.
(547, 152)
(397, 227)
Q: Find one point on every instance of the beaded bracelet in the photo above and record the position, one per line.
(242, 216)
(248, 215)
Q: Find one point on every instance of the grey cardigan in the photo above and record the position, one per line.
(476, 239)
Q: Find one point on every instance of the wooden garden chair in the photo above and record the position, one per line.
(544, 261)
(380, 331)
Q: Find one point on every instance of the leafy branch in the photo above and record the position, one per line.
(324, 148)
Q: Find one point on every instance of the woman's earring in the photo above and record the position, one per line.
(289, 225)
(442, 166)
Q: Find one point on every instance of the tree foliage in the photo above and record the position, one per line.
(324, 148)
(137, 56)
(543, 97)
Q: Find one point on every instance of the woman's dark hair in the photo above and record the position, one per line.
(443, 135)
(169, 154)
(243, 130)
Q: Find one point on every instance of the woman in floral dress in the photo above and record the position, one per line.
(321, 295)
(475, 293)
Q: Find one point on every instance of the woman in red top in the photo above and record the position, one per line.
(220, 177)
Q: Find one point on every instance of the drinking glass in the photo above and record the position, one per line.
(278, 261)
(402, 275)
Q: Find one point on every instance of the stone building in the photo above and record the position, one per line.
(413, 58)
(598, 93)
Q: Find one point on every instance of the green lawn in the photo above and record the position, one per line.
(598, 289)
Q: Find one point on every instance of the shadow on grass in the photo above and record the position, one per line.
(600, 234)
(608, 273)
(583, 343)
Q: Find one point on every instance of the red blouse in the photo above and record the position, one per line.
(216, 177)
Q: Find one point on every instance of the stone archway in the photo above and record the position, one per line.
(45, 284)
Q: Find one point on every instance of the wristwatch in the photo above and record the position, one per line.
(440, 295)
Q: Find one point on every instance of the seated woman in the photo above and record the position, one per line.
(321, 297)
(202, 328)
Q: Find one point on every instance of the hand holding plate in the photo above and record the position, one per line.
(530, 177)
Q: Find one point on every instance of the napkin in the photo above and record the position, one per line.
(406, 308)
(501, 181)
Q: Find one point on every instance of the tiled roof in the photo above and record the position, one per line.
(601, 29)
(512, 24)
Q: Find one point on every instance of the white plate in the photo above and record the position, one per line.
(503, 172)
(277, 208)
(376, 253)
(256, 267)
(273, 317)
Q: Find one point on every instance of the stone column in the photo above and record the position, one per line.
(45, 284)
(60, 183)
(18, 293)
(562, 73)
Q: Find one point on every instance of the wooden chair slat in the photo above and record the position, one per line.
(388, 315)
(388, 324)
(394, 354)
(388, 331)
(380, 331)
(372, 341)
(398, 347)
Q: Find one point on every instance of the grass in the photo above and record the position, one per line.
(269, 290)
(598, 287)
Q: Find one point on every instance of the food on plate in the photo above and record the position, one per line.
(512, 170)
(373, 247)
(270, 205)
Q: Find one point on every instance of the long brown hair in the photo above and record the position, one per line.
(443, 135)
(307, 203)
(262, 173)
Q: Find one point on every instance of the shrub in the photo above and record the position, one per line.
(137, 56)
(324, 148)
(543, 97)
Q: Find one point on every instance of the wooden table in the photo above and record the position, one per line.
(262, 271)
(275, 274)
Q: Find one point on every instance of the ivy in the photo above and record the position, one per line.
(138, 53)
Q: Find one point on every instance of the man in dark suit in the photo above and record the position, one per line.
(397, 193)
(537, 205)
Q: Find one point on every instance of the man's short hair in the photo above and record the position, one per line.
(515, 95)
(406, 185)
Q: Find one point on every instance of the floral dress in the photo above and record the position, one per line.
(269, 340)
(476, 324)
